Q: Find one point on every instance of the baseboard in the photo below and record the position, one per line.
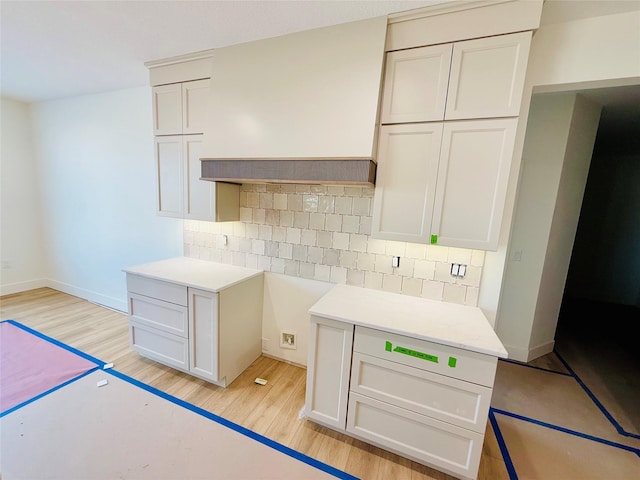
(104, 300)
(18, 287)
(527, 354)
(295, 364)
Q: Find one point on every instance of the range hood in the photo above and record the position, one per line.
(299, 108)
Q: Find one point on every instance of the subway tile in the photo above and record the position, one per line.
(277, 265)
(353, 191)
(351, 224)
(323, 273)
(355, 278)
(247, 187)
(293, 235)
(239, 229)
(245, 245)
(373, 280)
(432, 290)
(366, 261)
(325, 239)
(258, 216)
(424, 269)
(437, 253)
(309, 237)
(377, 246)
(340, 241)
(292, 267)
(273, 188)
(416, 250)
(310, 203)
(246, 214)
(303, 188)
(253, 200)
(365, 226)
(383, 264)
(307, 270)
(287, 188)
(472, 277)
(477, 258)
(344, 205)
(188, 237)
(315, 254)
(472, 296)
(338, 274)
(357, 242)
(406, 267)
(265, 232)
(348, 259)
(279, 234)
(362, 206)
(271, 248)
(331, 257)
(326, 204)
(294, 202)
(392, 283)
(285, 250)
(316, 221)
(226, 228)
(443, 273)
(260, 188)
(301, 219)
(411, 286)
(286, 218)
(252, 230)
(454, 293)
(336, 190)
(252, 261)
(258, 247)
(280, 201)
(239, 259)
(215, 254)
(396, 249)
(266, 200)
(300, 253)
(319, 189)
(368, 191)
(333, 222)
(264, 263)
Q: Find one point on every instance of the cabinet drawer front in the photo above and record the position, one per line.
(454, 401)
(163, 347)
(154, 313)
(167, 291)
(444, 446)
(450, 361)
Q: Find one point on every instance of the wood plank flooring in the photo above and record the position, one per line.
(271, 410)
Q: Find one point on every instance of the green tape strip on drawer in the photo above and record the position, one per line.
(414, 353)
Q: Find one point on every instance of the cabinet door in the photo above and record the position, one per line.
(199, 194)
(487, 77)
(203, 334)
(169, 170)
(194, 106)
(415, 84)
(472, 182)
(406, 179)
(328, 370)
(167, 109)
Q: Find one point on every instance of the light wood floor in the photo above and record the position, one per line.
(271, 410)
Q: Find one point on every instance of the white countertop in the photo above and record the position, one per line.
(192, 272)
(439, 322)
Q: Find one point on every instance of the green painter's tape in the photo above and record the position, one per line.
(414, 353)
(434, 239)
(387, 347)
(452, 362)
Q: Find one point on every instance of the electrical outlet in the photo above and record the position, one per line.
(288, 340)
(458, 270)
(395, 262)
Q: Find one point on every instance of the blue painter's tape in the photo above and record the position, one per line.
(51, 390)
(604, 411)
(86, 356)
(566, 430)
(238, 428)
(503, 446)
(521, 364)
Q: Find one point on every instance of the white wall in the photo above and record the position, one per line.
(593, 52)
(95, 156)
(21, 240)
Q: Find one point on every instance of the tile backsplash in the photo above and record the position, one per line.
(324, 233)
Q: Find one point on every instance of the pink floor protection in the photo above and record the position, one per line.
(31, 366)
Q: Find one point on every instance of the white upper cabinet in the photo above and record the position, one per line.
(416, 84)
(180, 108)
(167, 109)
(195, 96)
(408, 158)
(169, 171)
(487, 77)
(473, 174)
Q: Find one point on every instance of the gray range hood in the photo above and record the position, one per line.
(300, 108)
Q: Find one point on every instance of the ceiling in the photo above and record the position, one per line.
(54, 49)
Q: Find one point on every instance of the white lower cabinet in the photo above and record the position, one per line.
(212, 335)
(423, 400)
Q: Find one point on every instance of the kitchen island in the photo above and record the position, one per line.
(410, 375)
(201, 317)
